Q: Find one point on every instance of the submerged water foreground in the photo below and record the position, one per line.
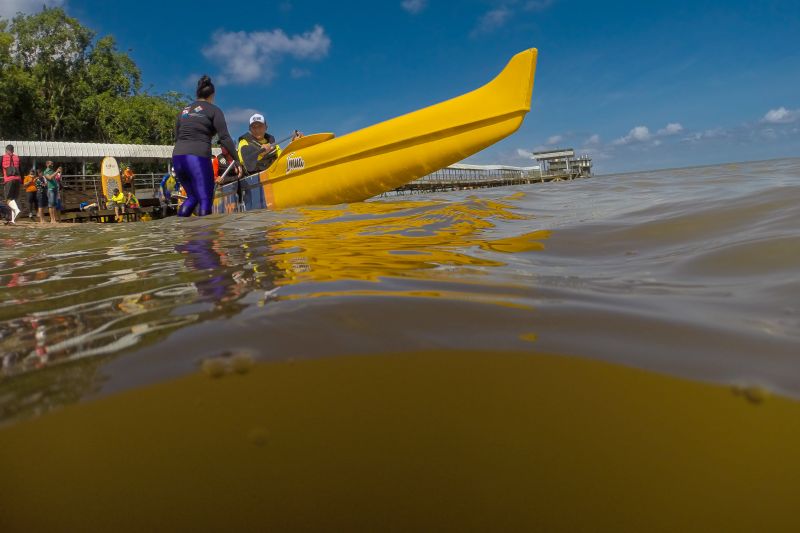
(621, 352)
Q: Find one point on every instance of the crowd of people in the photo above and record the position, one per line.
(42, 191)
(192, 180)
(42, 188)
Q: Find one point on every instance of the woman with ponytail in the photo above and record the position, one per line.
(196, 126)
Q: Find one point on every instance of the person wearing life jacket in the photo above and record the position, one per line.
(127, 178)
(166, 190)
(11, 181)
(215, 166)
(257, 149)
(131, 202)
(118, 202)
(169, 186)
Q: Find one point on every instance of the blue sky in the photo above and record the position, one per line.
(637, 85)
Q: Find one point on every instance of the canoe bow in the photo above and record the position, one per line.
(387, 155)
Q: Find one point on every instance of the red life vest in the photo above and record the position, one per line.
(11, 160)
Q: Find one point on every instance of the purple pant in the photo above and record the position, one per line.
(196, 174)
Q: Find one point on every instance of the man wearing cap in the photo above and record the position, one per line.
(257, 149)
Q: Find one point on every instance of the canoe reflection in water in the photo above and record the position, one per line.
(115, 294)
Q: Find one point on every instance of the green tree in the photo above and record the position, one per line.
(138, 119)
(110, 71)
(53, 48)
(59, 82)
(18, 105)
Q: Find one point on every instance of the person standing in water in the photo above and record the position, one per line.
(196, 126)
(42, 201)
(11, 180)
(30, 192)
(53, 185)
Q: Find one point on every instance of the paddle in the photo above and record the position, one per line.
(278, 143)
(232, 164)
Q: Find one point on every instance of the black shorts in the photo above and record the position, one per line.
(41, 199)
(11, 190)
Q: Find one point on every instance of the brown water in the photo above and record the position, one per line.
(408, 348)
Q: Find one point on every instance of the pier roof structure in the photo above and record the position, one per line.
(563, 161)
(68, 151)
(557, 153)
(464, 166)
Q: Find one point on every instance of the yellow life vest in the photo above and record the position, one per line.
(248, 139)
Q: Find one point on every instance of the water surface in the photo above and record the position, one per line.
(692, 272)
(690, 276)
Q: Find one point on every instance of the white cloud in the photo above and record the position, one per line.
(781, 116)
(239, 114)
(524, 153)
(594, 139)
(555, 139)
(249, 57)
(637, 134)
(414, 6)
(673, 128)
(774, 127)
(707, 134)
(492, 20)
(9, 8)
(506, 10)
(641, 134)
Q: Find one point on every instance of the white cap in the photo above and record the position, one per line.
(258, 118)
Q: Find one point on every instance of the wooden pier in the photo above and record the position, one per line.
(464, 177)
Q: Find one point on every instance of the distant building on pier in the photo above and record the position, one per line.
(563, 162)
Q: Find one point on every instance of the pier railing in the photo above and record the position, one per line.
(88, 185)
(455, 177)
(458, 177)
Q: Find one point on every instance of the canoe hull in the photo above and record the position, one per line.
(385, 156)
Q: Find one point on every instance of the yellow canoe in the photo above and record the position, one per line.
(322, 170)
